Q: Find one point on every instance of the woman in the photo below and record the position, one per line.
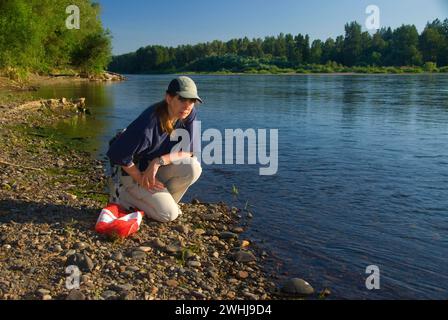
(153, 177)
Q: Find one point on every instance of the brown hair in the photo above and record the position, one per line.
(162, 113)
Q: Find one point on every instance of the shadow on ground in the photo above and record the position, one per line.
(18, 211)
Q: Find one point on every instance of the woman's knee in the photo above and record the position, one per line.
(165, 210)
(165, 216)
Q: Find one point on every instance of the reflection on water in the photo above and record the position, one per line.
(362, 180)
(91, 129)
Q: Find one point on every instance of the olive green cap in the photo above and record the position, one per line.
(184, 87)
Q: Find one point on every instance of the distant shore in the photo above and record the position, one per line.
(385, 71)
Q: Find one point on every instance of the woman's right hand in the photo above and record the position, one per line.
(149, 180)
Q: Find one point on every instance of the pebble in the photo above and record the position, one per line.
(60, 163)
(159, 244)
(195, 264)
(46, 297)
(199, 231)
(198, 295)
(244, 244)
(173, 248)
(133, 268)
(244, 256)
(80, 246)
(144, 249)
(137, 254)
(75, 295)
(242, 274)
(216, 254)
(70, 252)
(43, 292)
(189, 254)
(238, 230)
(251, 296)
(57, 248)
(123, 287)
(83, 262)
(325, 293)
(71, 196)
(108, 294)
(117, 256)
(184, 229)
(85, 278)
(228, 235)
(172, 283)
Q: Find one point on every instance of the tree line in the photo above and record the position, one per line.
(403, 46)
(34, 38)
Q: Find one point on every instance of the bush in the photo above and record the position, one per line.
(33, 37)
(430, 67)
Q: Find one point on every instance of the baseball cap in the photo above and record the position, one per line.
(184, 87)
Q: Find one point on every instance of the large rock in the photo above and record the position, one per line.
(297, 287)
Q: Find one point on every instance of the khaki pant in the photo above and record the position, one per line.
(161, 205)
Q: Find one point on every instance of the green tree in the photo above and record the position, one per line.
(316, 51)
(404, 49)
(352, 44)
(433, 42)
(329, 51)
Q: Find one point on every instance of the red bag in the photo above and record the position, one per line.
(114, 220)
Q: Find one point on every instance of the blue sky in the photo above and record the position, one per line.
(138, 23)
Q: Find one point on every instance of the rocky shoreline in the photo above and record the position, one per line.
(51, 193)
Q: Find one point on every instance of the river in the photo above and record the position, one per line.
(362, 170)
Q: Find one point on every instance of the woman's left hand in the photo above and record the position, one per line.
(149, 180)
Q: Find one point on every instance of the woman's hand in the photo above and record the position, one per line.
(148, 179)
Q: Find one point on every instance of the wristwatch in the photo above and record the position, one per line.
(160, 161)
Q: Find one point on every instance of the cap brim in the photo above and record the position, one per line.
(189, 95)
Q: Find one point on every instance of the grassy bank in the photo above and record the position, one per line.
(327, 69)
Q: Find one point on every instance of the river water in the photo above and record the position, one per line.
(362, 170)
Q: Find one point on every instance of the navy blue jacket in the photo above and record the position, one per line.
(144, 140)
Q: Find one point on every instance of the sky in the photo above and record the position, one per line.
(139, 23)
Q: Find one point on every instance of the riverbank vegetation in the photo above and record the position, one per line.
(402, 50)
(34, 38)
